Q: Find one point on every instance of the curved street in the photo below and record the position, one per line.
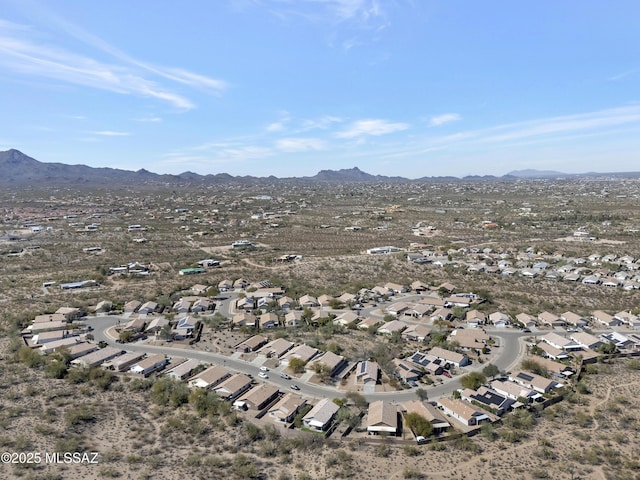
(508, 352)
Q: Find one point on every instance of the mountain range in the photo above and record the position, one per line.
(20, 169)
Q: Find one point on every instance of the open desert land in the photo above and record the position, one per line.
(540, 247)
(139, 434)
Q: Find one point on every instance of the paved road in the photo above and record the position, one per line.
(509, 351)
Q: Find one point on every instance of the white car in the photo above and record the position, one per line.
(263, 375)
(264, 369)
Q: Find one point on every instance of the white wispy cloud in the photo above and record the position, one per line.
(275, 127)
(281, 124)
(323, 123)
(51, 19)
(149, 119)
(531, 134)
(365, 12)
(110, 133)
(561, 125)
(75, 117)
(296, 126)
(361, 10)
(248, 152)
(185, 77)
(21, 53)
(217, 157)
(623, 75)
(300, 144)
(352, 23)
(438, 120)
(374, 127)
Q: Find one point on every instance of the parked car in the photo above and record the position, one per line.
(295, 387)
(264, 369)
(263, 375)
(446, 374)
(285, 376)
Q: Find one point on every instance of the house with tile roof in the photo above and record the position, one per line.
(382, 418)
(321, 415)
(463, 411)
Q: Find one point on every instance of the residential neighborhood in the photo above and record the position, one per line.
(451, 340)
(471, 340)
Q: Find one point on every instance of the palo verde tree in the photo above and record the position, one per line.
(418, 424)
(491, 370)
(473, 380)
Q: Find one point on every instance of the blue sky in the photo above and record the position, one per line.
(289, 87)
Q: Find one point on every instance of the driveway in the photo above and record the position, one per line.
(510, 352)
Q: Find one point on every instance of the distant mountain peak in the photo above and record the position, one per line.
(14, 156)
(533, 173)
(20, 169)
(353, 174)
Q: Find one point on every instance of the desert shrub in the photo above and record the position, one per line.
(539, 473)
(253, 432)
(55, 369)
(30, 357)
(103, 379)
(583, 419)
(582, 388)
(535, 367)
(511, 435)
(465, 444)
(269, 449)
(244, 468)
(79, 415)
(412, 473)
(520, 420)
(45, 430)
(193, 460)
(491, 370)
(591, 456)
(68, 444)
(297, 365)
(633, 364)
(139, 384)
(418, 424)
(436, 446)
(382, 451)
(168, 391)
(271, 432)
(134, 458)
(473, 380)
(109, 471)
(411, 450)
(488, 431)
(78, 375)
(592, 369)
